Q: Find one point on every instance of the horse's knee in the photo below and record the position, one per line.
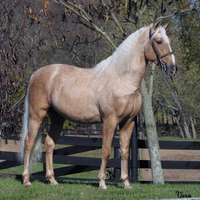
(105, 154)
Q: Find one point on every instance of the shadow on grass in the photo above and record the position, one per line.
(81, 181)
(64, 180)
(93, 183)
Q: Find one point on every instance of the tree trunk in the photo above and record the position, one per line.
(180, 128)
(193, 128)
(185, 126)
(153, 144)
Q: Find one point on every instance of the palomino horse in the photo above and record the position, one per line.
(108, 93)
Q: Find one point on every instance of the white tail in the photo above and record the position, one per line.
(36, 151)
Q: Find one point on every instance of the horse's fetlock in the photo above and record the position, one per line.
(101, 176)
(124, 177)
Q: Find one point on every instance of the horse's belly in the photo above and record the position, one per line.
(79, 112)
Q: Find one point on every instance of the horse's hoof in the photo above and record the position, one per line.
(129, 187)
(54, 183)
(27, 185)
(103, 188)
(52, 180)
(102, 185)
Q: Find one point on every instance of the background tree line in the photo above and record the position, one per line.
(37, 33)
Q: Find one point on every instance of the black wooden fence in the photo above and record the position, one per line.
(171, 164)
(88, 141)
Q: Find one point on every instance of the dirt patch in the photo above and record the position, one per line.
(174, 175)
(10, 145)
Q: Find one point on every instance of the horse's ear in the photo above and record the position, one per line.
(157, 24)
(166, 26)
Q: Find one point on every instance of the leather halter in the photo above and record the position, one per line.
(162, 64)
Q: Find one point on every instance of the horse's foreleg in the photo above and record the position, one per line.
(108, 132)
(50, 142)
(125, 136)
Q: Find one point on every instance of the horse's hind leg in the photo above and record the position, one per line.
(50, 141)
(125, 136)
(34, 124)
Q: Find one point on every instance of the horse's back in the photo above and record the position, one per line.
(55, 75)
(48, 78)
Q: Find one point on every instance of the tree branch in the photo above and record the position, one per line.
(154, 4)
(79, 10)
(176, 13)
(113, 16)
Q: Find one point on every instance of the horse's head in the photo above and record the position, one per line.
(158, 49)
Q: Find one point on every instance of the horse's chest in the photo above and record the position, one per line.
(128, 104)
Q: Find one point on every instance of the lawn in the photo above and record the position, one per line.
(71, 190)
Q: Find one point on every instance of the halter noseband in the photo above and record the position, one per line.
(162, 64)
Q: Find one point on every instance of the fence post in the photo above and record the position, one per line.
(134, 154)
(44, 167)
(117, 171)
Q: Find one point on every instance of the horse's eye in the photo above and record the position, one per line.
(159, 42)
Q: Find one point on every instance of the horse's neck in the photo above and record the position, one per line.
(128, 57)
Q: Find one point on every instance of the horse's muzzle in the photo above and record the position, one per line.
(170, 70)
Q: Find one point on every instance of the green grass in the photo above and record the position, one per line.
(178, 139)
(13, 189)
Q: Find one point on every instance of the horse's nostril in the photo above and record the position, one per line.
(173, 70)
